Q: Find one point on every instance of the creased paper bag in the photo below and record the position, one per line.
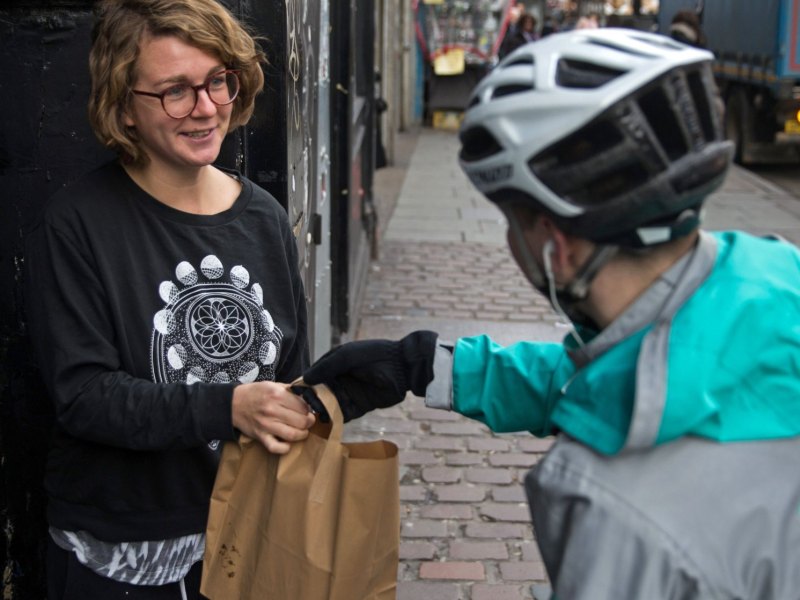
(319, 523)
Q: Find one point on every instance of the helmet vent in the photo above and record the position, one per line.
(611, 185)
(585, 144)
(524, 60)
(477, 143)
(573, 168)
(508, 90)
(661, 43)
(584, 75)
(600, 187)
(698, 91)
(657, 109)
(620, 48)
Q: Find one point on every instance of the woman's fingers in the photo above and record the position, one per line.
(270, 413)
(274, 445)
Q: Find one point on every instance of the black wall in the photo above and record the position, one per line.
(44, 142)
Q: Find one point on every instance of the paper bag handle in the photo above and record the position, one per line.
(329, 463)
(331, 405)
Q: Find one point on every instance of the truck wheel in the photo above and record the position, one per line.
(738, 123)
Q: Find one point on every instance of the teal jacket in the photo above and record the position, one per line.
(724, 364)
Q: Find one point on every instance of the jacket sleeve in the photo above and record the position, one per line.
(73, 340)
(510, 388)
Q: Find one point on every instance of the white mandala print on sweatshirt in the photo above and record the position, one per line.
(213, 328)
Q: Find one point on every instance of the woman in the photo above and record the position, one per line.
(165, 302)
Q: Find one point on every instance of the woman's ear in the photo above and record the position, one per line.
(127, 113)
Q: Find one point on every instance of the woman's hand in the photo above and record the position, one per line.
(270, 413)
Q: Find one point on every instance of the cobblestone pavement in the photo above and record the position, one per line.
(444, 265)
(453, 280)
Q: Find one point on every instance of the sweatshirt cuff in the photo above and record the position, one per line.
(439, 393)
(218, 423)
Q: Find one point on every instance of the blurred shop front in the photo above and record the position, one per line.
(563, 15)
(606, 10)
(459, 40)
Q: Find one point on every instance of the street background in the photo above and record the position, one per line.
(443, 265)
(348, 85)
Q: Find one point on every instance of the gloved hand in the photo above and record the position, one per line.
(371, 374)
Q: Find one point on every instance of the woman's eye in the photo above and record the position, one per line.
(217, 81)
(176, 91)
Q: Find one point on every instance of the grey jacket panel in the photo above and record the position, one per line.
(651, 369)
(439, 393)
(692, 519)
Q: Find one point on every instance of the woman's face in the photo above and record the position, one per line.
(176, 144)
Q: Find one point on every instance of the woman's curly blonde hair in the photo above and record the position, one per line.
(116, 37)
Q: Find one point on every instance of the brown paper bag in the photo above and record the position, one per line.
(319, 523)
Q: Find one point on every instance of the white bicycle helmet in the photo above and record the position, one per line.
(614, 133)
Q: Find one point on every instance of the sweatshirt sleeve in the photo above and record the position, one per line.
(74, 344)
(510, 388)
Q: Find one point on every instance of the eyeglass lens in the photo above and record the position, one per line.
(180, 100)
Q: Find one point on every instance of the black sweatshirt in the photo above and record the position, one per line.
(143, 318)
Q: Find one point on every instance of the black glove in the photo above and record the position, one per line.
(371, 374)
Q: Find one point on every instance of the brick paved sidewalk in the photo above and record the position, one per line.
(444, 265)
(466, 532)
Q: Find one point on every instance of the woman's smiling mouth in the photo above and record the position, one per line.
(198, 134)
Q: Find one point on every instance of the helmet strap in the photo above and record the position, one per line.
(577, 289)
(567, 298)
(563, 300)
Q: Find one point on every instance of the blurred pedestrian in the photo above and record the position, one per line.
(164, 301)
(523, 33)
(586, 22)
(548, 27)
(685, 28)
